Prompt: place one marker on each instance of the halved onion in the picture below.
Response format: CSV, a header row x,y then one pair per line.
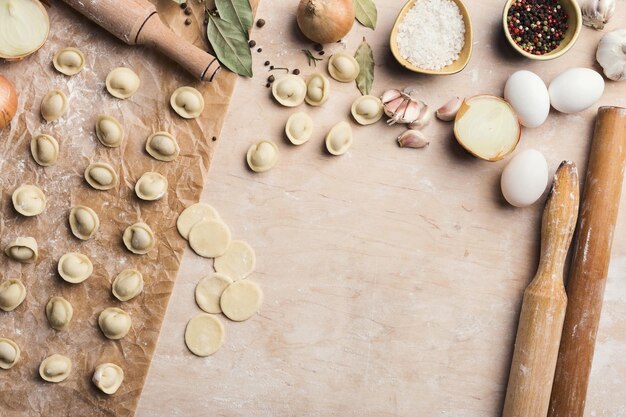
x,y
24,27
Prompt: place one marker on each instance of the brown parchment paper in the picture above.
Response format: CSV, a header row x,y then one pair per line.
x,y
22,392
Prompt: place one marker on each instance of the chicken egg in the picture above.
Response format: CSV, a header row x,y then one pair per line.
x,y
576,90
528,95
525,178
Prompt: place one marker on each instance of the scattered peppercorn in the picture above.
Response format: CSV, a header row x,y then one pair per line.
x,y
252,43
188,21
213,138
260,50
183,5
260,23
271,67
268,85
188,11
318,47
537,26
271,78
321,52
296,71
266,63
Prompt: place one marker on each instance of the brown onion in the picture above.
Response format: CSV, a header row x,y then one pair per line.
x,y
8,102
325,21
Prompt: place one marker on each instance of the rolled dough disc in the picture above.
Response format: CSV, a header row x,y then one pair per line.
x,y
238,261
194,214
209,238
209,290
204,334
241,300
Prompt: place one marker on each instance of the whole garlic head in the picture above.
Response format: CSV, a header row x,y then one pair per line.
x,y
611,55
597,13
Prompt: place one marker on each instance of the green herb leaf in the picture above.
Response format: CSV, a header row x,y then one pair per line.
x,y
366,13
365,57
310,58
237,12
230,45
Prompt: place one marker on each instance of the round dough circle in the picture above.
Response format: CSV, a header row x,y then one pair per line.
x,y
109,131
55,368
238,262
101,176
194,214
23,249
209,238
114,323
9,353
187,102
241,300
204,334
53,105
162,146
139,238
122,82
209,290
74,267
28,200
151,186
45,150
12,294
69,61
84,222
127,285
59,312
108,377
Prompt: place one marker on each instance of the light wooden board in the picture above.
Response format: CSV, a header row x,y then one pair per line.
x,y
393,277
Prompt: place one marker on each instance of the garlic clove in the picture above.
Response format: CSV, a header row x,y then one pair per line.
x,y
412,139
596,13
448,111
611,55
390,95
423,119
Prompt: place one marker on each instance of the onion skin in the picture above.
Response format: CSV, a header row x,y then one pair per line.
x,y
325,21
8,102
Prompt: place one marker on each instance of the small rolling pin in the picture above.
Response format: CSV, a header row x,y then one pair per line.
x,y
543,307
590,262
136,22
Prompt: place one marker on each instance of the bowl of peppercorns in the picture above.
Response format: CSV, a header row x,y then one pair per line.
x,y
542,29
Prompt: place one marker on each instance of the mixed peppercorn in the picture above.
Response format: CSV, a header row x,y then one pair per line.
x,y
537,26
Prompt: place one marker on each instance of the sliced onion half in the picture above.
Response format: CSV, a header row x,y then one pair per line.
x,y
24,27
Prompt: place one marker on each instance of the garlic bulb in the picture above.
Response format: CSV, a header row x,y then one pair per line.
x,y
611,55
402,106
596,13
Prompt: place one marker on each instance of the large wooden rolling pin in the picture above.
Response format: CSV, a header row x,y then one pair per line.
x,y
136,22
590,262
543,307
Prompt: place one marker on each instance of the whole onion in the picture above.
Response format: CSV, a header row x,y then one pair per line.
x,y
325,21
8,102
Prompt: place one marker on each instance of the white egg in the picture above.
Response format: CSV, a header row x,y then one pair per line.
x,y
528,95
575,90
525,178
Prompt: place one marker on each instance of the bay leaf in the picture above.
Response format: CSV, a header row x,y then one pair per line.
x,y
230,45
365,57
365,12
237,12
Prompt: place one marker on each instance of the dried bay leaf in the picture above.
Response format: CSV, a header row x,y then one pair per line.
x,y
230,45
365,12
237,12
365,57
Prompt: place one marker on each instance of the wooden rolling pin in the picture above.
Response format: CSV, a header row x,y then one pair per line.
x,y
543,307
590,262
136,22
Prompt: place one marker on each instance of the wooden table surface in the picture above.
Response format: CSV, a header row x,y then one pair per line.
x,y
392,277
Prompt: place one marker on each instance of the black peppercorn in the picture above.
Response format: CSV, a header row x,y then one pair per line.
x,y
296,71
271,67
213,138
318,47
271,78
259,50
266,63
529,20
188,11
321,53
260,23
252,43
187,21
268,85
183,5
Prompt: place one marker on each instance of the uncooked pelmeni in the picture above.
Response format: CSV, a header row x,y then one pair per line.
x,y
299,128
162,146
367,110
108,377
209,290
187,102
55,368
23,249
151,186
9,353
209,238
59,312
241,300
114,323
53,105
109,131
127,285
84,222
317,89
69,61
122,82
101,176
204,334
139,238
262,155
238,262
339,139
194,214
12,293
343,67
29,200
289,90
45,150
74,267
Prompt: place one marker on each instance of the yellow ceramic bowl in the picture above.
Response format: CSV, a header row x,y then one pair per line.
x,y
574,22
453,68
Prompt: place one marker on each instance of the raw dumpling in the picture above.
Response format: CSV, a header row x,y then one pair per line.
x,y
59,312
29,200
74,267
193,215
209,290
162,146
262,156
109,131
114,323
108,377
9,353
187,102
127,285
317,89
204,334
339,139
12,293
367,110
53,105
45,150
139,238
101,176
241,300
69,61
343,67
289,90
238,262
23,249
55,368
151,186
84,222
209,238
299,128
122,82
